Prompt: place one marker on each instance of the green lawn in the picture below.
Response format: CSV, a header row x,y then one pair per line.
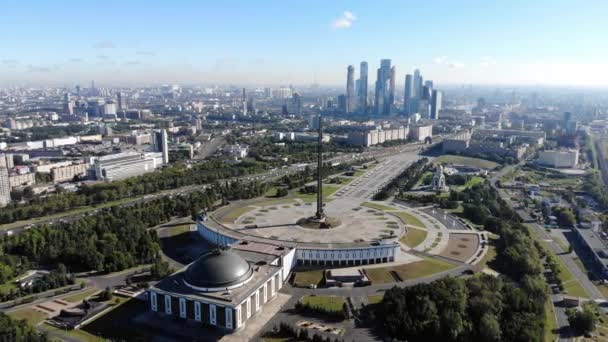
x,y
235,213
375,299
473,181
489,256
327,303
306,278
32,316
378,206
571,285
550,323
78,297
360,173
418,269
468,161
409,219
271,192
328,190
8,286
179,229
343,180
413,237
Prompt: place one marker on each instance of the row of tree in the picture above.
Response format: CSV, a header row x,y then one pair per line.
x,y
166,179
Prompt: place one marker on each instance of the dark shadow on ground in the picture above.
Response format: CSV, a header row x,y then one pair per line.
x,y
185,247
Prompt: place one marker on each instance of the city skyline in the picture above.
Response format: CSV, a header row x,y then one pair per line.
x,y
470,43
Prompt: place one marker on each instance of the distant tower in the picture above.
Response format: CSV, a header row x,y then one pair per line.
x,y
408,95
350,89
417,84
5,189
363,87
382,87
320,215
122,101
161,142
435,104
391,91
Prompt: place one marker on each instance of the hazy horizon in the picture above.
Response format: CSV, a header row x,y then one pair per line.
x,y
277,43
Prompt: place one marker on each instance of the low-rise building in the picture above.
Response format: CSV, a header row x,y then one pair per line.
x,y
559,158
26,179
126,164
67,173
421,132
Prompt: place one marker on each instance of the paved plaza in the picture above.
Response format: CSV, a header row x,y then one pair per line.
x,y
356,223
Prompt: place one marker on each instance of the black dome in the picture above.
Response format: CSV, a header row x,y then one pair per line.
x,y
218,269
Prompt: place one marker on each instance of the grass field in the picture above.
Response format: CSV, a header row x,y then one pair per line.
x,y
306,278
468,161
409,219
32,316
179,229
489,256
8,286
378,206
328,190
78,297
236,213
413,237
418,269
550,323
327,303
374,299
571,285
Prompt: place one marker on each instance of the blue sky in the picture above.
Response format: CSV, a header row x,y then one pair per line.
x,y
280,42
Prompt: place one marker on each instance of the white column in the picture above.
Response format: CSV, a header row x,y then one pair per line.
x,y
248,307
237,312
153,302
167,304
197,311
182,308
257,300
229,318
212,317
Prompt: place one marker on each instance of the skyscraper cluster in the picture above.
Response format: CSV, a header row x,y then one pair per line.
x,y
385,88
419,97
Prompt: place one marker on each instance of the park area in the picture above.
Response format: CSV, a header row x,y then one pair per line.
x,y
324,303
466,161
413,237
414,270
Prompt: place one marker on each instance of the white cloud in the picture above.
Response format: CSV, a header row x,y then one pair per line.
x,y
440,60
456,65
346,20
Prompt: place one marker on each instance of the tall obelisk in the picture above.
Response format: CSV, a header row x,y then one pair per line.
x,y
320,215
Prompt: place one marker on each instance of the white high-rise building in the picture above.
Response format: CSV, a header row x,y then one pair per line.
x,y
5,187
